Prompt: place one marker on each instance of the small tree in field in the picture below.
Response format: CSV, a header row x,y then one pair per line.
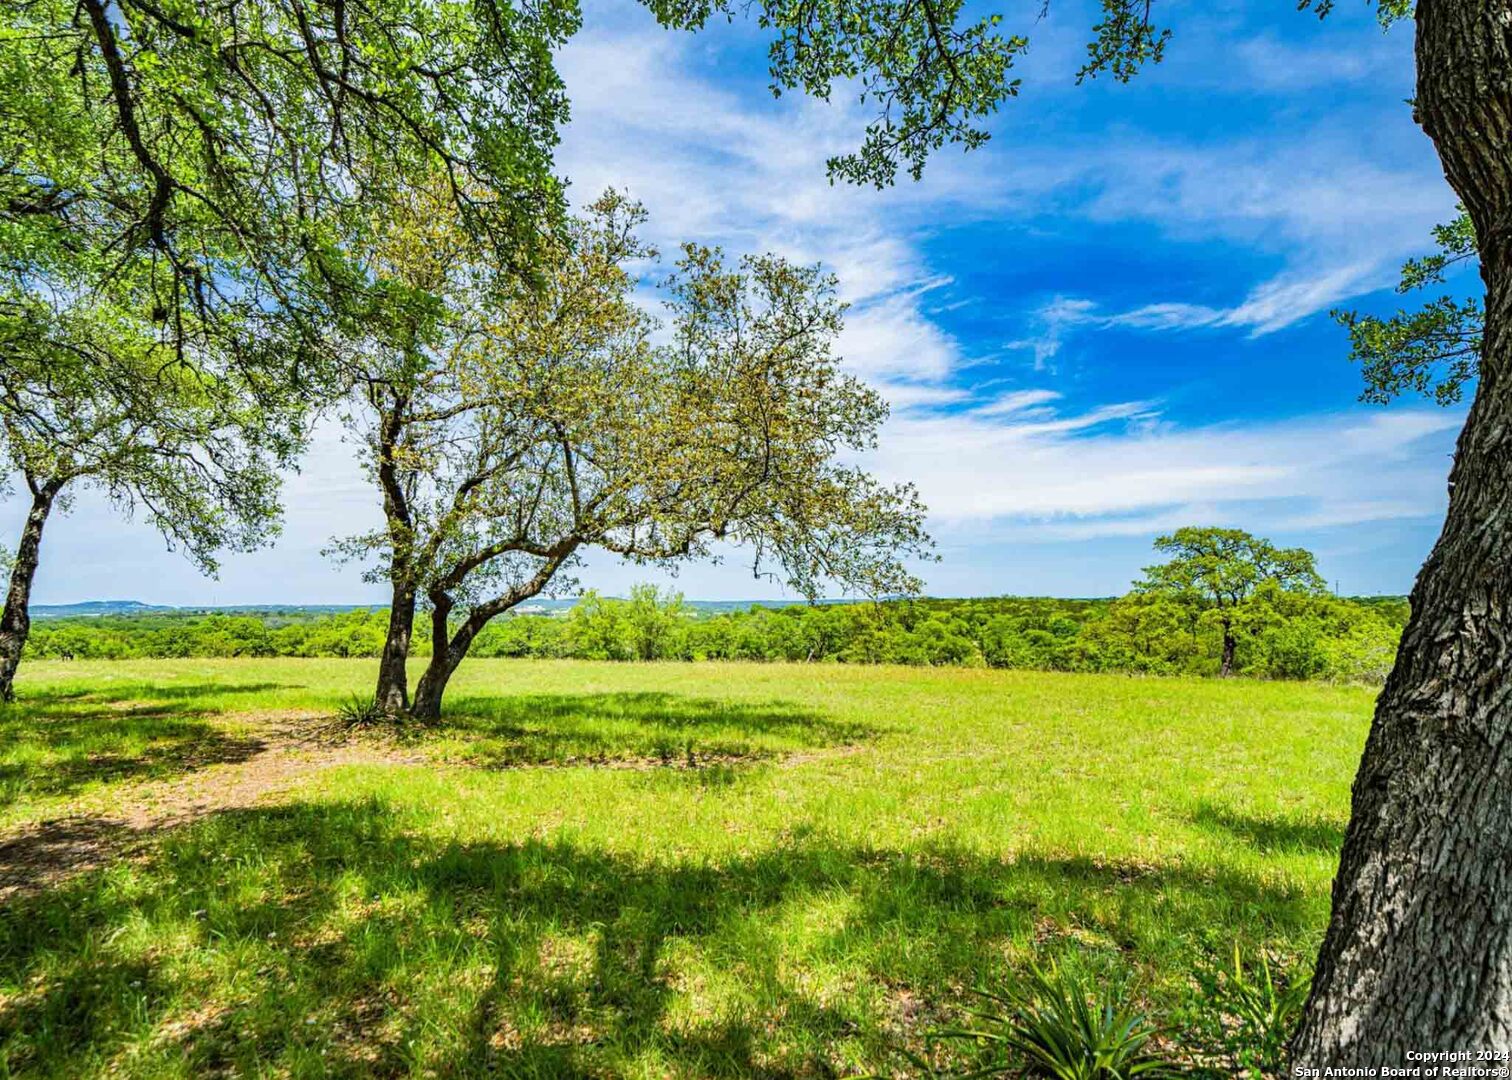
x,y
1219,570
517,425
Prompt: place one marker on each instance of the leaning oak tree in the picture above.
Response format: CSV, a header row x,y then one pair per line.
x,y
1219,570
545,420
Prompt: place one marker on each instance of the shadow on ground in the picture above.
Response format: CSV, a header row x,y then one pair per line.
x,y
653,726
1274,834
325,940
54,742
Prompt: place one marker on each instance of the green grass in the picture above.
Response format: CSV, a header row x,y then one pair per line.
x,y
856,848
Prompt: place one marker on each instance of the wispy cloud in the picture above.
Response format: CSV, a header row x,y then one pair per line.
x,y
1119,469
1271,306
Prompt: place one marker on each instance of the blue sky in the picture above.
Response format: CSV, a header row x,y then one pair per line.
x,y
1110,321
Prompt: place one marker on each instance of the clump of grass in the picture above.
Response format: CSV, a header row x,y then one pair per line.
x,y
1054,1024
1246,1015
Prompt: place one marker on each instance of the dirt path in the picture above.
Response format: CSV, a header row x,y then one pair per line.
x,y
119,822
279,754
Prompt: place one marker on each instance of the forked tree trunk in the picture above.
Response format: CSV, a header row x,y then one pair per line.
x,y
1230,645
1418,954
449,649
392,694
431,689
447,653
15,621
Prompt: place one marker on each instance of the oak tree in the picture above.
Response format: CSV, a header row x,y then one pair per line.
x,y
92,398
1217,571
521,425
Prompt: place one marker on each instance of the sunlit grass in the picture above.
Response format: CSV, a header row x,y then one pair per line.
x,y
852,849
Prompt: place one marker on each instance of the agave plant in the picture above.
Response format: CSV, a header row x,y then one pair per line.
x,y
1055,1025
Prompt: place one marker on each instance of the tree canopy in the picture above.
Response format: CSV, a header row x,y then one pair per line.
x,y
1222,570
522,424
1435,349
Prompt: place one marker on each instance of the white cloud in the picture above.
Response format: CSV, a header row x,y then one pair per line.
x,y
1271,306
1118,469
751,176
1017,402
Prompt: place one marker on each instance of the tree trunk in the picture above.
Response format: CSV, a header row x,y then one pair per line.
x,y
392,694
1418,954
431,688
447,652
1230,644
15,621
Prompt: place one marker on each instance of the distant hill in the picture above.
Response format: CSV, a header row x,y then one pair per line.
x,y
95,607
136,607
530,607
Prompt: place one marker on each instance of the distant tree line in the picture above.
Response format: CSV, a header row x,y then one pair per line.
x,y
1282,635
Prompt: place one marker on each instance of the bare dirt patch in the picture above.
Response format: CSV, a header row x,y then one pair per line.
x,y
287,750
275,752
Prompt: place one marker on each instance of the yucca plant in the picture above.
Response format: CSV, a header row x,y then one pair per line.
x,y
1055,1025
360,712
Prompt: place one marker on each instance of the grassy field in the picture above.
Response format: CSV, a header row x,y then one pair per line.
x,y
630,870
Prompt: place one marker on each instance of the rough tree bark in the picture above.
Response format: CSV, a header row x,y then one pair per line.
x,y
15,621
392,695
1418,954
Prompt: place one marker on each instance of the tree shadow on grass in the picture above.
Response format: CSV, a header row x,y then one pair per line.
x,y
54,742
323,939
1271,835
655,726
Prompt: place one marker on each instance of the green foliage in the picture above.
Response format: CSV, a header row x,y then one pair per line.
x,y
1230,579
209,157
1223,568
1245,1015
654,622
93,400
1124,41
1054,1024
931,77
1312,637
1433,350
